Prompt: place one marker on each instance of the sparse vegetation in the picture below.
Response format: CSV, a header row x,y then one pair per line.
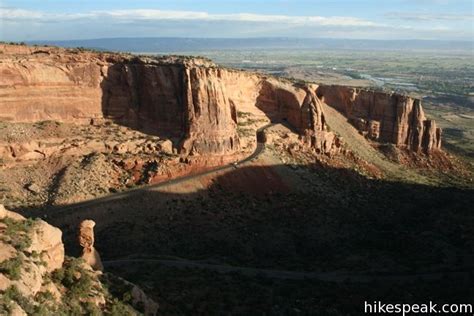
x,y
295,209
45,124
245,132
11,295
16,233
80,286
13,43
80,289
12,267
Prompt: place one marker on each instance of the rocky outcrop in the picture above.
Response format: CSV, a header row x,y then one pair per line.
x,y
4,213
301,109
314,125
191,100
86,240
385,117
175,97
36,277
46,241
35,249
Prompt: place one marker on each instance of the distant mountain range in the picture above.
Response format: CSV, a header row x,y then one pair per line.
x,y
171,44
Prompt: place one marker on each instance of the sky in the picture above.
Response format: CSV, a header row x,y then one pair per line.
x,y
24,20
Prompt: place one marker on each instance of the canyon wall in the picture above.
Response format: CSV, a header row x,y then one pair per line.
x,y
191,100
181,99
384,117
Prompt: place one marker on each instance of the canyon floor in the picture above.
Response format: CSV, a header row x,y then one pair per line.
x,y
274,224
397,231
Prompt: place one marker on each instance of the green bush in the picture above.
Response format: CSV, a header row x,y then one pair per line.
x,y
13,295
73,277
16,233
118,308
12,268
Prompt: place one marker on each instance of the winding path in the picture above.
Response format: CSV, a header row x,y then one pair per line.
x,y
117,196
335,277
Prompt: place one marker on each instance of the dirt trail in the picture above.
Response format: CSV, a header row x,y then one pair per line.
x,y
177,181
337,276
362,148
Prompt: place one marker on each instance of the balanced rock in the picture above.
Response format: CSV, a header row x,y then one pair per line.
x,y
86,240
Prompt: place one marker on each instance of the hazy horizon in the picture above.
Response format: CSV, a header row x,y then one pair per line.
x,y
196,44
27,20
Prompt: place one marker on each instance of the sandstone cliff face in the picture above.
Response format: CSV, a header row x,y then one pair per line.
x,y
48,85
192,100
181,99
385,117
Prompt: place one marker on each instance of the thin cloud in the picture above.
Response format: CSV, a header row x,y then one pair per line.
x,y
420,17
19,24
163,15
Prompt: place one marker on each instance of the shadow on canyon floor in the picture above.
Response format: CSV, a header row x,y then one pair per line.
x,y
250,216
340,222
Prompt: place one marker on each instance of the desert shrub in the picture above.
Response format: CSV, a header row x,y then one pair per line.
x,y
16,233
44,297
118,308
75,278
80,284
14,227
44,124
12,268
12,294
92,309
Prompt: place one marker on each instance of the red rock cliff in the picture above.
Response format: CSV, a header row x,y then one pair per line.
x,y
385,117
179,98
187,98
191,99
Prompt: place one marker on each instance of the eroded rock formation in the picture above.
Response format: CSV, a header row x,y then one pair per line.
x,y
385,117
40,253
192,100
86,240
33,266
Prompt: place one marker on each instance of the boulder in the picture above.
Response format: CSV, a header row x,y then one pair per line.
x,y
4,213
33,188
166,146
16,310
31,279
140,298
46,240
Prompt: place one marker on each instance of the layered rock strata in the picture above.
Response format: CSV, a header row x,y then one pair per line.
x,y
385,117
191,100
